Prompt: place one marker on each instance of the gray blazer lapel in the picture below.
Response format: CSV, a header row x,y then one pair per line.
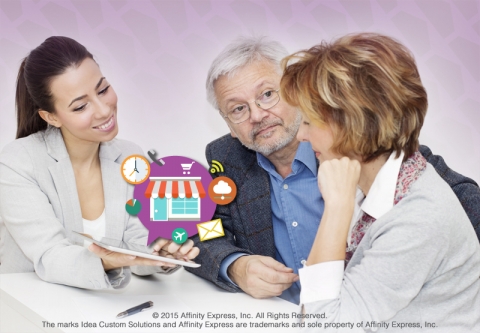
x,y
115,191
63,176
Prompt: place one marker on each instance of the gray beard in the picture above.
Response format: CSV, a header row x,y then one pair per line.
x,y
270,148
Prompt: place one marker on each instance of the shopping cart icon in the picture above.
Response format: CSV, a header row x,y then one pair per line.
x,y
186,167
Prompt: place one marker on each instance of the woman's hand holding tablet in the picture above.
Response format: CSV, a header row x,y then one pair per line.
x,y
165,253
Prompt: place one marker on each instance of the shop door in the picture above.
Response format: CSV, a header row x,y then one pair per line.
x,y
160,209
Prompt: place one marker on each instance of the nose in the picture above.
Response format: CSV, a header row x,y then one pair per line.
x,y
256,113
302,134
103,109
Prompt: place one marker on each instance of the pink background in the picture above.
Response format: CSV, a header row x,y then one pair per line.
x,y
156,55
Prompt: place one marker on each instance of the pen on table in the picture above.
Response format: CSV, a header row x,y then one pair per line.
x,y
135,309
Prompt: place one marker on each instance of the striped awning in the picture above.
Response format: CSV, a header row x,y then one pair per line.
x,y
175,189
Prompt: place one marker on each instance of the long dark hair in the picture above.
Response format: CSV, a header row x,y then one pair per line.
x,y
53,57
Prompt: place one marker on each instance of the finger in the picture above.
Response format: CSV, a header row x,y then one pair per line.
x,y
261,289
193,253
159,243
275,289
125,259
275,274
165,253
272,276
171,247
276,265
186,247
95,248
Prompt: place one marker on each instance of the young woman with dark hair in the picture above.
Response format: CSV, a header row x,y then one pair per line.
x,y
62,174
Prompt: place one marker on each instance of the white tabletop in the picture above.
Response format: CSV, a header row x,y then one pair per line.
x,y
181,294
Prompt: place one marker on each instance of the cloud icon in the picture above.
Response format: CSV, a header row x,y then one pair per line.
x,y
222,188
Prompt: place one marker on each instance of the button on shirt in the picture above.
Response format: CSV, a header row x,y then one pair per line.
x,y
297,207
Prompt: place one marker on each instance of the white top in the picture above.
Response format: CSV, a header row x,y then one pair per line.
x,y
379,201
95,228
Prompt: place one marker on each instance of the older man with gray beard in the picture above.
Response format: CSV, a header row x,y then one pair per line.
x,y
271,225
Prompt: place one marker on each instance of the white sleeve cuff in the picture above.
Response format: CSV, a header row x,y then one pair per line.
x,y
321,281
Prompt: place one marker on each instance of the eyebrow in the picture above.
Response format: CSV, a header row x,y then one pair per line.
x,y
256,87
263,83
83,96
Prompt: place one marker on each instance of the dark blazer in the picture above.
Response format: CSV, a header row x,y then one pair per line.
x,y
248,219
466,189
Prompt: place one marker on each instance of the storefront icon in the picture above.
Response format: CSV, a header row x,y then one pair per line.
x,y
175,198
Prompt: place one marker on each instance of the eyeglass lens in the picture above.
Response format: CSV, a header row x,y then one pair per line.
x,y
265,101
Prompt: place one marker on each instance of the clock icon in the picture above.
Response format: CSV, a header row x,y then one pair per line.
x,y
135,169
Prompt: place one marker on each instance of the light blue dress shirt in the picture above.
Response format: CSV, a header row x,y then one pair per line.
x,y
297,207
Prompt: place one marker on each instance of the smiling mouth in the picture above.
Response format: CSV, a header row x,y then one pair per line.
x,y
106,125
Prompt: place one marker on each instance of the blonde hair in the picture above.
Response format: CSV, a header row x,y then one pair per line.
x,y
366,87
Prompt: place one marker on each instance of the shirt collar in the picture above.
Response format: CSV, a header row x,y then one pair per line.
x,y
382,192
304,154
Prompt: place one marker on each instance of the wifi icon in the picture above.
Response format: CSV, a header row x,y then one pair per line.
x,y
216,167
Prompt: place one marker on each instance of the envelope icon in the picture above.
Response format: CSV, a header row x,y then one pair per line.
x,y
211,229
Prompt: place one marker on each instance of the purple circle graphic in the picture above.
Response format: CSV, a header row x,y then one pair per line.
x,y
174,196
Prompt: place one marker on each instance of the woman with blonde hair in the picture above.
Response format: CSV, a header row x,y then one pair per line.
x,y
394,250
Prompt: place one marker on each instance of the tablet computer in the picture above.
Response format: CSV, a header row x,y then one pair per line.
x,y
137,253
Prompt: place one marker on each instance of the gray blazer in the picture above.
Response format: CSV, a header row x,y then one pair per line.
x,y
39,209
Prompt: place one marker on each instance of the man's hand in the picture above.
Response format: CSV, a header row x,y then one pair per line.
x,y
261,277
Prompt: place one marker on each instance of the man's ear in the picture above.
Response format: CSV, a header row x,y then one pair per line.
x,y
50,118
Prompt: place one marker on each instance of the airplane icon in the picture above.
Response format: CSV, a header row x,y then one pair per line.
x,y
179,235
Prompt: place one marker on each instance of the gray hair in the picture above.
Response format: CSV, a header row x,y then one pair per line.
x,y
243,51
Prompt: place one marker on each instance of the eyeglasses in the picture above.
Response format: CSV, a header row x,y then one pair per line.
x,y
240,113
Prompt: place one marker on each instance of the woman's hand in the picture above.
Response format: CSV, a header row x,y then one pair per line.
x,y
112,260
167,248
337,181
